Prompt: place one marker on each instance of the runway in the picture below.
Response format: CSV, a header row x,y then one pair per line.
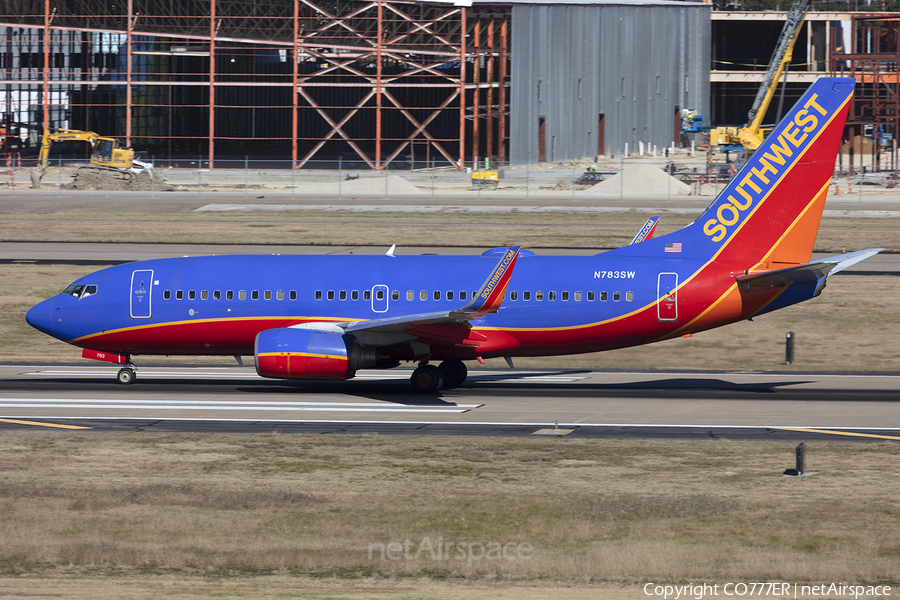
x,y
504,402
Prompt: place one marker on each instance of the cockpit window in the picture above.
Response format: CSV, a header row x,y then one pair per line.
x,y
80,291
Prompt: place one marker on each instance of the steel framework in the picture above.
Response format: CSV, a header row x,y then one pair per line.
x,y
379,79
873,59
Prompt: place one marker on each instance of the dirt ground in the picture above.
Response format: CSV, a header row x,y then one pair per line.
x,y
90,179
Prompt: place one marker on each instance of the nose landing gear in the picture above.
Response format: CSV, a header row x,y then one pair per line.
x,y
127,374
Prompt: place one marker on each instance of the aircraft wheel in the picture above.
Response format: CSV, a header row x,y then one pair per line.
x,y
427,379
126,376
453,372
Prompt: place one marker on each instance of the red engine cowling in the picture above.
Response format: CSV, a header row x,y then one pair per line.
x,y
309,354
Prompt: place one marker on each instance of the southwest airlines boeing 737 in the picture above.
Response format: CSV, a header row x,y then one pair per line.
x,y
325,317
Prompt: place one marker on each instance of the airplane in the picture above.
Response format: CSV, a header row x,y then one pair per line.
x,y
326,317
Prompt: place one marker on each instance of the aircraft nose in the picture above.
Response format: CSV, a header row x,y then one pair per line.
x,y
40,317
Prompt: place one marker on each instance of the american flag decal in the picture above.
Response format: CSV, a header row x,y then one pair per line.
x,y
673,247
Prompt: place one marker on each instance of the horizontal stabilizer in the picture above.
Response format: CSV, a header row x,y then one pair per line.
x,y
822,267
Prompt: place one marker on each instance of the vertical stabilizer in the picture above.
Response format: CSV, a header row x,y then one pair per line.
x,y
768,216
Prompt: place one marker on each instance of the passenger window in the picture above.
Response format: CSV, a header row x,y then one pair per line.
x,y
565,296
354,295
318,294
217,295
331,294
179,294
268,294
526,296
229,295
514,296
379,295
204,295
538,296
551,295
423,295
279,295
367,295
192,295
617,296
410,295
462,294
590,296
437,295
254,295
343,295
167,294
293,295
242,295
395,294
603,296
577,296
449,294
629,296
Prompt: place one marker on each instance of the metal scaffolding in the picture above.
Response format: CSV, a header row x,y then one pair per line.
x,y
377,80
873,59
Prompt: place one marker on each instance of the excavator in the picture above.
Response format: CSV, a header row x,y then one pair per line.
x,y
751,135
107,155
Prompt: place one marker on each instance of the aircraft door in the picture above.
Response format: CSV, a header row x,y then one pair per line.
x,y
667,294
141,284
380,298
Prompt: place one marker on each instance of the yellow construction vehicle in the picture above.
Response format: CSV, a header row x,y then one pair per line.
x,y
751,135
486,179
107,155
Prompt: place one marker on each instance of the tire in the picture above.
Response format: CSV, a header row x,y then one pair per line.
x,y
454,373
426,379
126,376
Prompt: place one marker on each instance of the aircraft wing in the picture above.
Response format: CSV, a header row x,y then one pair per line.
x,y
447,326
646,232
814,271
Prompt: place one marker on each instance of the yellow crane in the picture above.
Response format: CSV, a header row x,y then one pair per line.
x,y
107,154
751,135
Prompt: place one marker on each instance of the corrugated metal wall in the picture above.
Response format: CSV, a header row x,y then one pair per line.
x,y
632,64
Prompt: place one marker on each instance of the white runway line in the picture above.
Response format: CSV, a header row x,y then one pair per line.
x,y
92,403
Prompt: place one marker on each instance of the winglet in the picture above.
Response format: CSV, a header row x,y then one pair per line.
x,y
646,231
490,296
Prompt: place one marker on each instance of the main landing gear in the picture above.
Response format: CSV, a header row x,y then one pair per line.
x,y
428,379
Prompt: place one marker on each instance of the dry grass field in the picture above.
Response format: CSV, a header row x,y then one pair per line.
x,y
215,514
147,515
570,230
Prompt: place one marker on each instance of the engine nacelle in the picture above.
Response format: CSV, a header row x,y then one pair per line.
x,y
309,354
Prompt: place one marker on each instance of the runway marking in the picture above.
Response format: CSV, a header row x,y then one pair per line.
x,y
463,424
478,377
95,403
58,425
833,432
87,371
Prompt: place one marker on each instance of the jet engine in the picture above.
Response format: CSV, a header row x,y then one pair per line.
x,y
309,354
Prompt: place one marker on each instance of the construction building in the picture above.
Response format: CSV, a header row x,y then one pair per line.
x,y
844,38
384,82
396,84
